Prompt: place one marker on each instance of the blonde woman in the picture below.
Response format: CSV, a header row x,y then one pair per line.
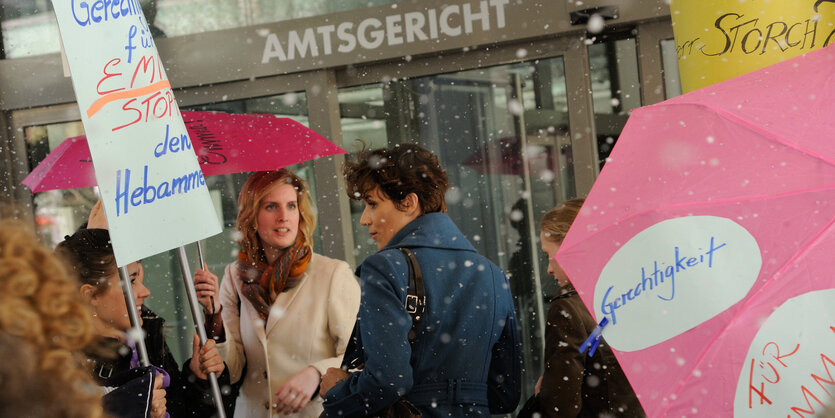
x,y
43,324
287,312
574,384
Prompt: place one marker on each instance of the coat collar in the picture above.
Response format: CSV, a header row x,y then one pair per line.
x,y
564,292
432,230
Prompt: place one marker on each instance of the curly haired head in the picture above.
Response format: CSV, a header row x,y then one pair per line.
x,y
398,171
556,222
257,187
41,308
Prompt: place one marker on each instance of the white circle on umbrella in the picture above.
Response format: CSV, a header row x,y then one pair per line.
x,y
674,276
790,366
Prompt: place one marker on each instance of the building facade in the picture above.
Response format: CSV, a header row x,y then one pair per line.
x,y
521,100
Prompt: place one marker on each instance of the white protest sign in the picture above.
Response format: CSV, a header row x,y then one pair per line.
x,y
153,191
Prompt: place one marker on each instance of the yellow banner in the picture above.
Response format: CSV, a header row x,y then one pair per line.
x,y
721,39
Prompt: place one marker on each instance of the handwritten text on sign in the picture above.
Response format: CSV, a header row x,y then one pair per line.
x,y
672,277
750,34
790,366
145,194
720,39
153,191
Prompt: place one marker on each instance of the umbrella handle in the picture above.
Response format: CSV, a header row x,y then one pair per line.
x,y
593,340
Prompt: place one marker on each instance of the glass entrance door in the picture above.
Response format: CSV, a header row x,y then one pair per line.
x,y
502,135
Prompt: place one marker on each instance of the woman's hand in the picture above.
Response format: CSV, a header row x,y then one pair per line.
x,y
330,379
158,398
205,284
206,359
296,392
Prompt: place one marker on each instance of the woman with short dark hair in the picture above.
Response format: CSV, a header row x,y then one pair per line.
x,y
465,358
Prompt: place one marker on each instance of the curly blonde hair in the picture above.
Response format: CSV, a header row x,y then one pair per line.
x,y
40,308
255,189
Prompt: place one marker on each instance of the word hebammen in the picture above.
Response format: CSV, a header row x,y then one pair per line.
x,y
396,29
145,194
657,277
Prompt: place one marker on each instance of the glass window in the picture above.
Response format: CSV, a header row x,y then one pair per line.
x,y
57,212
502,135
669,59
60,212
29,26
615,87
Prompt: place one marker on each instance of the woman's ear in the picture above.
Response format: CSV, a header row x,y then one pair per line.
x,y
412,204
88,292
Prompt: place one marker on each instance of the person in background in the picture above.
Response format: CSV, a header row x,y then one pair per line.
x,y
286,311
43,325
574,384
465,360
113,359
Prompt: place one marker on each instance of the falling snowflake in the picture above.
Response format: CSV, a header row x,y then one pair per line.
x,y
595,24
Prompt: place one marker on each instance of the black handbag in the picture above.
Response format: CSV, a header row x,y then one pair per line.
x,y
415,306
531,409
400,409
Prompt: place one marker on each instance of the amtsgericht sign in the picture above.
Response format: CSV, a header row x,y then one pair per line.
x,y
396,28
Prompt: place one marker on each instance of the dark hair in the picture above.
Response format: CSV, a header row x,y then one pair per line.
x,y
398,171
89,253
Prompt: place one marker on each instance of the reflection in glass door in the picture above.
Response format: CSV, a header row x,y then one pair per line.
x,y
615,83
57,212
502,135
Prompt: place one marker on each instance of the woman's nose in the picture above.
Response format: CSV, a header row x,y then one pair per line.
x,y
365,219
142,292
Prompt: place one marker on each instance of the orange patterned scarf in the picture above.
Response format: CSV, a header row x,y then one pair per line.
x,y
262,283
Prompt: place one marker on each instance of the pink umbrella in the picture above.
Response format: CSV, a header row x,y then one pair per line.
x,y
224,143
707,241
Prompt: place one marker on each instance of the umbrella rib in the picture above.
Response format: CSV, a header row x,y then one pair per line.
x,y
742,309
753,127
701,202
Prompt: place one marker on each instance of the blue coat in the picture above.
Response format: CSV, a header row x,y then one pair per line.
x,y
466,360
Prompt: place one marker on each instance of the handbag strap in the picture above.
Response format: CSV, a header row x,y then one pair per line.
x,y
416,296
415,305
